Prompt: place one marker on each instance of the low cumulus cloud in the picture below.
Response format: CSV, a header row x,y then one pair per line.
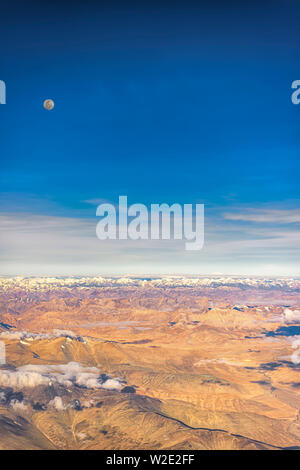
x,y
58,333
17,335
73,373
18,406
21,378
57,403
291,316
295,357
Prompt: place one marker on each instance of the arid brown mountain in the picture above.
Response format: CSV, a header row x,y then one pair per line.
x,y
147,364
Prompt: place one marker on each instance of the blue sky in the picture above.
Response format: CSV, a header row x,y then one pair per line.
x,y
168,102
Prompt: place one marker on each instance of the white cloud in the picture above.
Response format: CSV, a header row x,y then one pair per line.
x,y
22,379
18,335
57,403
32,375
295,357
291,316
18,406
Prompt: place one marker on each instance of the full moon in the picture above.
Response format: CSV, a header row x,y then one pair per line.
x,y
48,104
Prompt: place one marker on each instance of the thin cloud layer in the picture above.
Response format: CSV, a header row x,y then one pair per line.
x,y
265,216
243,241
